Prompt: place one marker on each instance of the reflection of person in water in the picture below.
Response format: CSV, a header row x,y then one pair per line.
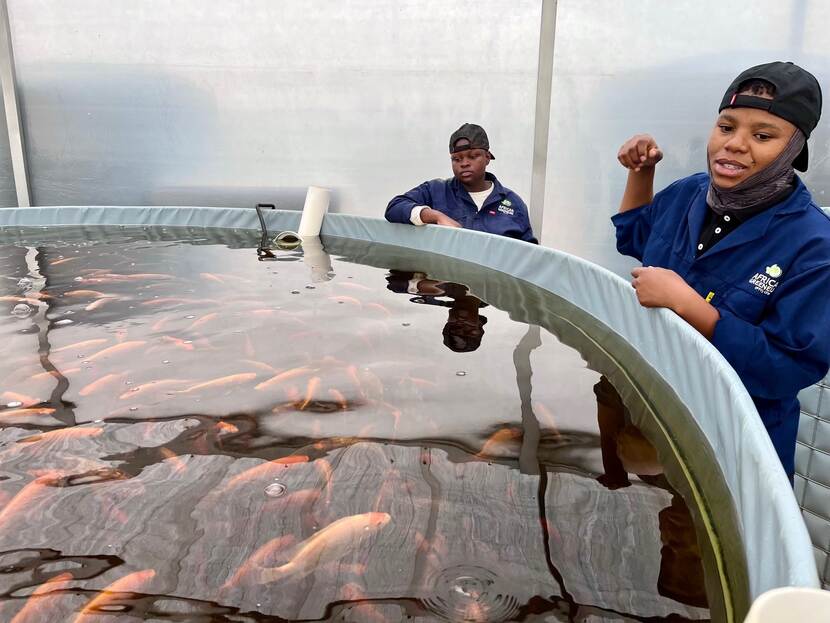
x,y
625,450
465,326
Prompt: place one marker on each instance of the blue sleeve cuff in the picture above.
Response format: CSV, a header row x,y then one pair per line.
x,y
734,338
622,219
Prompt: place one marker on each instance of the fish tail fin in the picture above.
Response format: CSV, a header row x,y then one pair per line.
x,y
274,574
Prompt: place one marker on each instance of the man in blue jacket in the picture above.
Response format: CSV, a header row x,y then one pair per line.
x,y
741,252
473,198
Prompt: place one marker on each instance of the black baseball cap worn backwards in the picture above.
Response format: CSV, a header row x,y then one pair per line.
x,y
797,98
476,139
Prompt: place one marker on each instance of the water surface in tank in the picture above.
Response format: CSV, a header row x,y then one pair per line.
x,y
191,434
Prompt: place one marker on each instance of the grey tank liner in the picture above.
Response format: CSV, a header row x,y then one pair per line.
x,y
776,543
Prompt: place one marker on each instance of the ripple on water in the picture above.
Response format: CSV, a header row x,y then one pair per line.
x,y
275,490
471,593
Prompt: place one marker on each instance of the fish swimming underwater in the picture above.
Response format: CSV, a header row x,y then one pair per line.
x,y
332,543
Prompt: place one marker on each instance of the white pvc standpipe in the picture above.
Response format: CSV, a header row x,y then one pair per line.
x,y
315,208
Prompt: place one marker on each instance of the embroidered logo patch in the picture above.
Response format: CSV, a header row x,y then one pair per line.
x,y
505,209
774,271
766,283
506,202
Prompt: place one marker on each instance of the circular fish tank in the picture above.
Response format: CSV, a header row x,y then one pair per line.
x,y
349,430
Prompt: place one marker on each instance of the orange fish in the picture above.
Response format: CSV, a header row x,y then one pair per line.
x,y
63,433
178,342
378,307
136,277
167,299
103,382
346,299
202,321
24,497
330,544
497,441
117,349
99,303
339,398
8,413
261,365
546,415
313,384
140,390
27,401
266,470
178,465
233,379
284,376
255,561
82,345
42,602
63,261
113,595
226,427
85,294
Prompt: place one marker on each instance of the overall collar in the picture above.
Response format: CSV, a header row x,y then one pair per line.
x,y
752,229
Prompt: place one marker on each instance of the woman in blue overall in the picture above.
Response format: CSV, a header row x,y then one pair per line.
x,y
742,253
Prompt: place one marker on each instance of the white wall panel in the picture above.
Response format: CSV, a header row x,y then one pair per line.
x,y
235,102
622,68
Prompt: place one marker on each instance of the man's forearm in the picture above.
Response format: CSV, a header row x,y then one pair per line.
x,y
639,189
694,309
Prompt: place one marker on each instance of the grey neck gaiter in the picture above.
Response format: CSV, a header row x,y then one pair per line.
x,y
763,189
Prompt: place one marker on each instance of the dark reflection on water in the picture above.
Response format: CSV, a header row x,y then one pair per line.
x,y
188,434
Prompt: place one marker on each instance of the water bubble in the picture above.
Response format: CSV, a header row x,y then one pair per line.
x,y
188,341
21,310
68,312
295,291
461,373
128,382
190,316
80,356
63,322
310,287
86,362
166,361
471,593
25,284
275,490
14,404
133,408
97,421
78,279
405,324
134,389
